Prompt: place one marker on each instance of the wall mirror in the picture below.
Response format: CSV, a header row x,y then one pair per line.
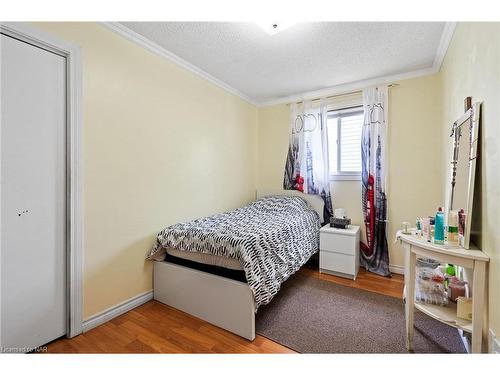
x,y
464,153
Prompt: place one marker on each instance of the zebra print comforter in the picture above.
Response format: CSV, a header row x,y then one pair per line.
x,y
271,237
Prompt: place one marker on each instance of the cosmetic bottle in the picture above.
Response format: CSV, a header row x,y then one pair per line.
x,y
430,237
426,229
461,226
450,269
453,228
439,227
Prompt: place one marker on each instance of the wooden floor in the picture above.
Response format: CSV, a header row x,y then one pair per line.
x,y
157,328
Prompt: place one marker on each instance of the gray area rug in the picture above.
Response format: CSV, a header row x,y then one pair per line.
x,y
310,315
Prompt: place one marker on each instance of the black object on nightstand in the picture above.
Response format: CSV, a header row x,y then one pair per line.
x,y
341,223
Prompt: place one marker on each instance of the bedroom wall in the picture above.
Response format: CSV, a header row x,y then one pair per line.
x,y
161,145
472,68
414,177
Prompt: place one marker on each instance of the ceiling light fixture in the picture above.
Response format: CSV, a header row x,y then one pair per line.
x,y
274,27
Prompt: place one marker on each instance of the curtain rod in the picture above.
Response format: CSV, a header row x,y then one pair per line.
x,y
347,93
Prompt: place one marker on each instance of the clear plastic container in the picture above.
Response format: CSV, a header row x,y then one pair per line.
x,y
429,283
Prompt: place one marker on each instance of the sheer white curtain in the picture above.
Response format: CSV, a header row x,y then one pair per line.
x,y
306,167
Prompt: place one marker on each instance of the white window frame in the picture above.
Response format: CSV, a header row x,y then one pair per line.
x,y
339,114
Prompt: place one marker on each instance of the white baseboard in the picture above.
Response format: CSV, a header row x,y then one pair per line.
x,y
397,269
465,337
493,343
119,309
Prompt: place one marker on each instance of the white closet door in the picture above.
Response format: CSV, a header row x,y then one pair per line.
x,y
33,195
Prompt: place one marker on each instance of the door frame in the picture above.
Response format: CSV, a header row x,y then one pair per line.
x,y
74,163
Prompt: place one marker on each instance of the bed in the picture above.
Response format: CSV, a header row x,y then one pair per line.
x,y
223,267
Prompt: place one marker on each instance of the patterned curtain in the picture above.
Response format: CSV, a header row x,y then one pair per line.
x,y
306,166
375,253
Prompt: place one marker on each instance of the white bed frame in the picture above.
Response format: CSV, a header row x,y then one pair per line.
x,y
224,302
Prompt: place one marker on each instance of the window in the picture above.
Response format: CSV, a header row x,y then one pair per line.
x,y
344,143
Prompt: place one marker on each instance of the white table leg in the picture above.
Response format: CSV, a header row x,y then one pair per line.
x,y
410,294
478,293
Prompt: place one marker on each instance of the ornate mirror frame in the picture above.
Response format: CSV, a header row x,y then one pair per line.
x,y
467,124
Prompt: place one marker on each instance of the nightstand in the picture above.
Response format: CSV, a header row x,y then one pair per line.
x,y
339,251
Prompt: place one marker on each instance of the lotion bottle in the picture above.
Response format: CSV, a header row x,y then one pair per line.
x,y
439,227
453,228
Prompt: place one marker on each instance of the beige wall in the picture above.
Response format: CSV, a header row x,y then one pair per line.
x,y
414,178
472,68
415,168
161,145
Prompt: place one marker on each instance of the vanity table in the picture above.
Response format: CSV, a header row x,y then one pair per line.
x,y
469,258
464,146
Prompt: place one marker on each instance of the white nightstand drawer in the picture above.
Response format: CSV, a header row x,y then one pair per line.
x,y
337,243
336,262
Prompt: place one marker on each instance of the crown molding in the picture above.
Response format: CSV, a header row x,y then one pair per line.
x,y
444,43
347,87
163,52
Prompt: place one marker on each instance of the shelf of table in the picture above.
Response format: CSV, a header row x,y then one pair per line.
x,y
445,314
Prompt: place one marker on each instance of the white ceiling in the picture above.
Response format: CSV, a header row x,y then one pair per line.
x,y
305,57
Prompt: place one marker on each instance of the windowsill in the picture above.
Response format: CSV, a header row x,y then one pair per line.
x,y
345,177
